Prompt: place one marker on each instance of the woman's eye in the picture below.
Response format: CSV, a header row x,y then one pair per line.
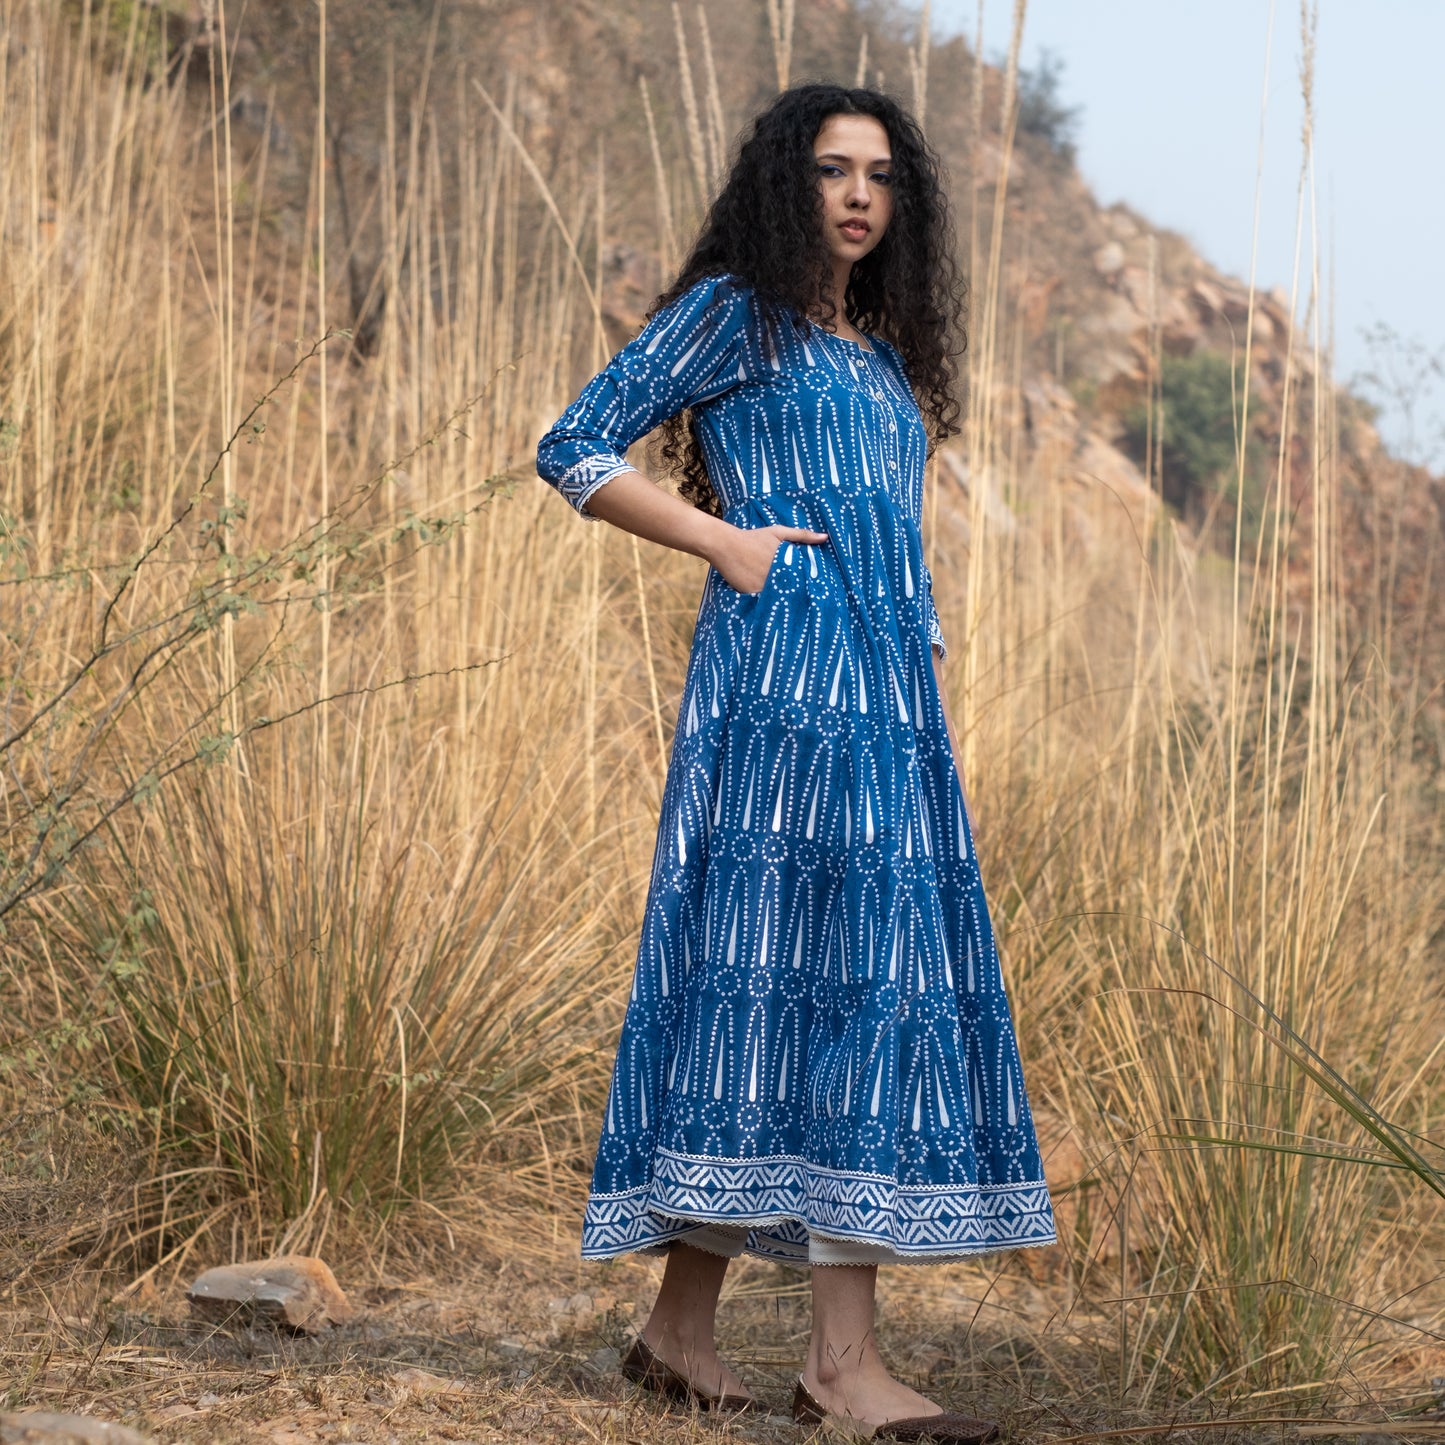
x,y
882,178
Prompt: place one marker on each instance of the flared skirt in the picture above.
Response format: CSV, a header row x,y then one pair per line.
x,y
817,1040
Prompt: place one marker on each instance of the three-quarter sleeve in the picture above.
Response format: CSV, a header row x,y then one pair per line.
x,y
935,628
694,349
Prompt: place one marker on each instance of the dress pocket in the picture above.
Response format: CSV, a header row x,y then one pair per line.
x,y
782,562
782,559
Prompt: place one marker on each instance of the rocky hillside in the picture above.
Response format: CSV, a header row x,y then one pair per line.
x,y
1105,323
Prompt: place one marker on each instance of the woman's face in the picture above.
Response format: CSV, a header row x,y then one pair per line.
x,y
855,174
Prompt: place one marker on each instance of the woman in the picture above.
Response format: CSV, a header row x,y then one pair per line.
x,y
817,1062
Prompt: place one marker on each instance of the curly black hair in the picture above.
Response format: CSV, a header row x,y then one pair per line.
x,y
907,289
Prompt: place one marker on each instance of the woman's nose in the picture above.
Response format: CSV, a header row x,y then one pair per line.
x,y
858,191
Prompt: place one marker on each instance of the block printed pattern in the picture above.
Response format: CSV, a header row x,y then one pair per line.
x,y
817,1038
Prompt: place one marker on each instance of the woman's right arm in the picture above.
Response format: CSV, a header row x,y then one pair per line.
x,y
692,351
742,554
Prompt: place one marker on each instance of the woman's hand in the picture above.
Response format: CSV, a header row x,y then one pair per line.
x,y
744,555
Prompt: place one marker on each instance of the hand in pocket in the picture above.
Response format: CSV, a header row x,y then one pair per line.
x,y
746,557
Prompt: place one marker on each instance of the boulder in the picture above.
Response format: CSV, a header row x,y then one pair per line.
x,y
1159,304
293,1291
1111,342
1208,298
1109,259
1121,224
40,1426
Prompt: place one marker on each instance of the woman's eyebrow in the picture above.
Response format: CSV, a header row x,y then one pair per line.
x,y
839,156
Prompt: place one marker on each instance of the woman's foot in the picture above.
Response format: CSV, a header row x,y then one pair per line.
x,y
865,1392
940,1426
679,1335
696,1363
846,1380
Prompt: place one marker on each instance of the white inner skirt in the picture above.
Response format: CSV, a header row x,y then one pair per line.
x,y
729,1239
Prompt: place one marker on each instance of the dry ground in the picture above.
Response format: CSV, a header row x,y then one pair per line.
x,y
509,1351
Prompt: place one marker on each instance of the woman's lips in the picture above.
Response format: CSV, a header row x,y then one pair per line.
x,y
856,229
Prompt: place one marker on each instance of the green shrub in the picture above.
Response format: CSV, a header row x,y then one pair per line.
x,y
1194,428
1041,113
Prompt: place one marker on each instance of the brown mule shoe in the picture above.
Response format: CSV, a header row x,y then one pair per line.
x,y
643,1367
959,1429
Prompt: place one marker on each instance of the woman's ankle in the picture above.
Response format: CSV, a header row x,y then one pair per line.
x,y
849,1365
673,1335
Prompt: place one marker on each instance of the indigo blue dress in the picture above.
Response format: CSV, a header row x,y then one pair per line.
x,y
817,1040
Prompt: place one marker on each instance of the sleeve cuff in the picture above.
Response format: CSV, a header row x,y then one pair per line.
x,y
935,628
583,478
935,633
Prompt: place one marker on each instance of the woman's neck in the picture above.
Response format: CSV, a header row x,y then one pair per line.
x,y
842,272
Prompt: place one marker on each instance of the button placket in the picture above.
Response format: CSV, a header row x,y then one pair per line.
x,y
867,370
888,439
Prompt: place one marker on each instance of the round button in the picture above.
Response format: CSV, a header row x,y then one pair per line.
x,y
892,426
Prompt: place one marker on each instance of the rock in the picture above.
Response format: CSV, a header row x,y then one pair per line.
x,y
1048,406
1109,259
1115,507
581,1305
42,1426
1051,417
1035,304
1208,298
293,1290
1111,342
996,510
629,285
1235,304
1120,223
422,1382
1159,304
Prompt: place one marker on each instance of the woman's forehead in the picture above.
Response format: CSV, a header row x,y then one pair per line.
x,y
844,135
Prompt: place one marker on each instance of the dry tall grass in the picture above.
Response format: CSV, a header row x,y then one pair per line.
x,y
331,746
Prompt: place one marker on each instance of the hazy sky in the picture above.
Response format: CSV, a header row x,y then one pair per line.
x,y
1171,95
